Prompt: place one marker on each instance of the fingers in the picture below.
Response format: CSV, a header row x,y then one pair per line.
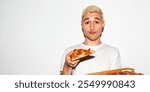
x,y
69,62
68,58
73,64
70,53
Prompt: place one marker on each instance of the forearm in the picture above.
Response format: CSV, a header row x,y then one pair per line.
x,y
67,70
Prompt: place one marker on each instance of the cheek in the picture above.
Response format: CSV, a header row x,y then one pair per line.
x,y
85,28
85,31
99,28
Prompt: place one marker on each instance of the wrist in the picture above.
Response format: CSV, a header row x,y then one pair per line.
x,y
67,70
67,66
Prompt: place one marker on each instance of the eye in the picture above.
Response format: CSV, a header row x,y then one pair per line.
x,y
87,22
97,22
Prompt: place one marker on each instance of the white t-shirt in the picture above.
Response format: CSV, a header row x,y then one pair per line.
x,y
105,58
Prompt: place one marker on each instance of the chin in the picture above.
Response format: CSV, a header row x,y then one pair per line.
x,y
93,39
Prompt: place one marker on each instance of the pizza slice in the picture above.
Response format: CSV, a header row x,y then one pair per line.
x,y
120,71
80,53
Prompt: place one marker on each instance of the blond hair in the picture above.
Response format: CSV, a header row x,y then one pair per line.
x,y
92,9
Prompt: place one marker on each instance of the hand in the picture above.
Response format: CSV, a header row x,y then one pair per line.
x,y
69,62
69,65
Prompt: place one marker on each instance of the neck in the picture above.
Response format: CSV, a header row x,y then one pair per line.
x,y
92,43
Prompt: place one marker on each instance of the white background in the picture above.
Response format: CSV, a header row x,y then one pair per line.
x,y
35,33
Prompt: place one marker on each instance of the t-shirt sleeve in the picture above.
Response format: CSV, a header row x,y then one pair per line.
x,y
115,59
63,59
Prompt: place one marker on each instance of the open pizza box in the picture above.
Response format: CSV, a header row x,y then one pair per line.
x,y
120,71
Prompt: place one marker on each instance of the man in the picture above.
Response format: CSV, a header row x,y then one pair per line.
x,y
105,57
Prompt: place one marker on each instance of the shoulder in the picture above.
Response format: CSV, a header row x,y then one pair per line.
x,y
110,48
73,47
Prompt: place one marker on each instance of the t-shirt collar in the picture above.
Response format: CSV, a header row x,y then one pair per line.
x,y
92,47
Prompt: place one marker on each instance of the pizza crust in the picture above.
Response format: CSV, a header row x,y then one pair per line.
x,y
80,53
120,71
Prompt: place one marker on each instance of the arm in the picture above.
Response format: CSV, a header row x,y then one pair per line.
x,y
67,70
69,65
115,60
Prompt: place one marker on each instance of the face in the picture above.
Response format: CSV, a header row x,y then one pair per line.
x,y
92,26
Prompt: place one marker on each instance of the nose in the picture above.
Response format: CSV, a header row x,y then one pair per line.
x,y
92,26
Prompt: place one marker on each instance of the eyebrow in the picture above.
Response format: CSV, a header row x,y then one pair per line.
x,y
97,18
85,19
94,18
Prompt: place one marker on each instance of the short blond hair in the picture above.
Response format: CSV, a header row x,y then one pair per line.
x,y
92,9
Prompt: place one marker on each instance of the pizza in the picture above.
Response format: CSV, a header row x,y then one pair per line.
x,y
80,53
120,71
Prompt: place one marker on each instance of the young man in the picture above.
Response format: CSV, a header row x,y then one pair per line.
x,y
105,57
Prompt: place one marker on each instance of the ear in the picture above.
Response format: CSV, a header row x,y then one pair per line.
x,y
82,25
103,25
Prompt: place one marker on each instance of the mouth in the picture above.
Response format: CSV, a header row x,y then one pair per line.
x,y
92,32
